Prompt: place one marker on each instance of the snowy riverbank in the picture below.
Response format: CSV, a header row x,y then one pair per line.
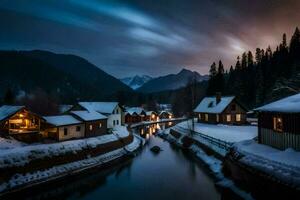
x,y
21,155
37,177
213,164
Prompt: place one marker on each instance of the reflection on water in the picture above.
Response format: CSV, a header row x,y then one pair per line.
x,y
149,130
171,174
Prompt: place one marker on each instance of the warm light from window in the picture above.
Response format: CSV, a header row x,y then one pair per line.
x,y
228,118
206,117
217,118
238,117
277,124
100,125
21,115
91,127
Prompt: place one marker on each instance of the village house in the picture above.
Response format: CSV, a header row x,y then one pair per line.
x,y
112,110
63,127
165,115
20,123
218,109
151,116
95,123
135,115
279,123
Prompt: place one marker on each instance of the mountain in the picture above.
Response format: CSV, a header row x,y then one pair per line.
x,y
172,81
136,81
68,77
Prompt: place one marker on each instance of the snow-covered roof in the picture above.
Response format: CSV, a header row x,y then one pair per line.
x,y
88,115
289,104
136,110
102,107
148,113
165,111
64,108
6,111
209,105
61,120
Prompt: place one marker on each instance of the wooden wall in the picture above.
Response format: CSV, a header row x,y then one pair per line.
x,y
96,130
289,137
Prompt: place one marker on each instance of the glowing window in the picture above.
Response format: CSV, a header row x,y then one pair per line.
x,y
277,124
238,117
91,127
100,125
228,118
217,118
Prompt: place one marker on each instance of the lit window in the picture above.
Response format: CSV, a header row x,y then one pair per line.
x,y
91,127
277,124
200,116
217,118
228,118
100,125
206,117
238,117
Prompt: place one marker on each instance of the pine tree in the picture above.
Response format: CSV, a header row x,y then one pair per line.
x,y
244,61
211,89
220,82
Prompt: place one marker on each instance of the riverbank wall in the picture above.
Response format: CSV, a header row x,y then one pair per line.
x,y
39,170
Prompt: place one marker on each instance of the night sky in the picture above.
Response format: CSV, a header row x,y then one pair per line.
x,y
126,38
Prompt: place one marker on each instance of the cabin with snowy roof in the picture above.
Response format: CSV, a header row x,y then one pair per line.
x,y
152,116
220,109
279,123
112,110
20,123
135,115
165,115
63,127
95,123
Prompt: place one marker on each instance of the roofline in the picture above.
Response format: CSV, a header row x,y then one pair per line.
x,y
22,107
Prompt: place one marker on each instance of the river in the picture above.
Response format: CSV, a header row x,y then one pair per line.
x,y
171,174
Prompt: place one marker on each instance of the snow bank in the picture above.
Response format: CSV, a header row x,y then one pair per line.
x,y
65,169
20,156
10,143
284,165
227,133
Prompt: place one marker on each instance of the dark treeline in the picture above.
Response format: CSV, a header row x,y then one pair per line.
x,y
261,77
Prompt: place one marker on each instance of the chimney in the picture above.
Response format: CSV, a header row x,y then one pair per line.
x,y
218,97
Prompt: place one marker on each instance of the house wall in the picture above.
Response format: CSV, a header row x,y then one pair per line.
x,y
289,137
96,129
115,119
72,132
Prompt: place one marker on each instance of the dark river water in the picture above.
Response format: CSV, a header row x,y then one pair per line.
x,y
171,174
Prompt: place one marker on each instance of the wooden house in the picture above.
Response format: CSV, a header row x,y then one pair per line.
x,y
63,127
20,123
165,115
151,116
279,123
95,123
112,110
135,115
218,109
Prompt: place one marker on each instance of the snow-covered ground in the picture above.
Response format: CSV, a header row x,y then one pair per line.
x,y
65,169
284,165
227,133
9,143
21,155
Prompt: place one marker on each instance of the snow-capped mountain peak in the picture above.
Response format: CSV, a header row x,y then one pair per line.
x,y
137,81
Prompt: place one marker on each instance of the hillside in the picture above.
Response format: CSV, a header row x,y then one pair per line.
x,y
68,77
172,81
